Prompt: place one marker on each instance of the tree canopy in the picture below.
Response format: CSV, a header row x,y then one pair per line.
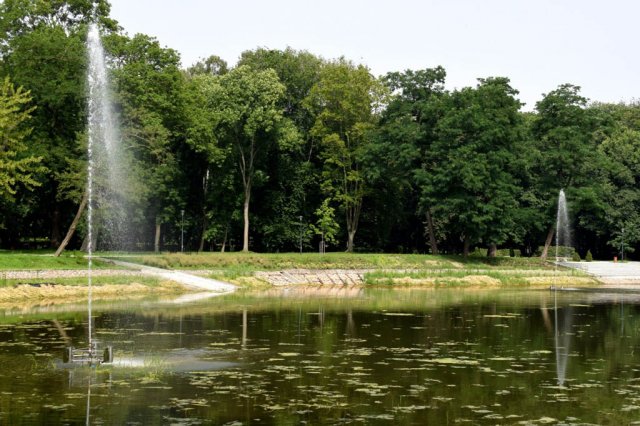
x,y
285,147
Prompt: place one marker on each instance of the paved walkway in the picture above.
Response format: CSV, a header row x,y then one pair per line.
x,y
612,274
181,277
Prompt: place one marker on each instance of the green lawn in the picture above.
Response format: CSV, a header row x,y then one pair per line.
x,y
10,260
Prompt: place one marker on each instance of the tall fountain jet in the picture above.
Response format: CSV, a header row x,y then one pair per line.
x,y
103,171
563,230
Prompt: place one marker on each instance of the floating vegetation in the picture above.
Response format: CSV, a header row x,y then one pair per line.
x,y
398,314
452,361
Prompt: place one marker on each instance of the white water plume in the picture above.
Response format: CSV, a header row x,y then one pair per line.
x,y
563,230
108,180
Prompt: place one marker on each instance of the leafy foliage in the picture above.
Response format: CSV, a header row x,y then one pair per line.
x,y
15,168
285,138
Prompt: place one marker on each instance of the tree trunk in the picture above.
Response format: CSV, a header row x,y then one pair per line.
x,y
224,241
94,242
547,243
205,224
492,250
55,227
74,225
465,247
432,234
245,234
351,236
156,240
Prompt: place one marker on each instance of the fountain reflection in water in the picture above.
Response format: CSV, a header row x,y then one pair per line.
x,y
562,339
562,332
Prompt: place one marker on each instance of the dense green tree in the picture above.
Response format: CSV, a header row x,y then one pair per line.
x,y
22,17
473,159
345,101
563,136
397,158
620,148
42,49
149,93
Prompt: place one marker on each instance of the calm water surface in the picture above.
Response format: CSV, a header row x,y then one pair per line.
x,y
351,357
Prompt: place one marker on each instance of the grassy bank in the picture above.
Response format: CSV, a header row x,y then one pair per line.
x,y
279,261
383,269
19,260
481,278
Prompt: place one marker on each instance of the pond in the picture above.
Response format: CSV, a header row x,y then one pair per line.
x,y
307,356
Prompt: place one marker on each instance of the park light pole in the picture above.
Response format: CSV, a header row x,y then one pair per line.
x,y
622,246
182,231
301,231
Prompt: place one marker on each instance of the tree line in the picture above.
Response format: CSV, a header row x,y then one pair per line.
x,y
287,149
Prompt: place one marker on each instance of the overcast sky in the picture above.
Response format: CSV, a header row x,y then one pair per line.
x,y
538,44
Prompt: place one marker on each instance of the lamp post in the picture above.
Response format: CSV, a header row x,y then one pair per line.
x,y
182,231
301,231
622,246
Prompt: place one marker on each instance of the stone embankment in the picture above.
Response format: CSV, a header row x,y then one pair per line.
x,y
313,276
46,274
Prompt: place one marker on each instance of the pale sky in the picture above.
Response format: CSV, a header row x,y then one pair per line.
x,y
538,44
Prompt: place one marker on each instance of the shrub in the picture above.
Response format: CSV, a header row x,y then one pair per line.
x,y
589,256
563,251
576,257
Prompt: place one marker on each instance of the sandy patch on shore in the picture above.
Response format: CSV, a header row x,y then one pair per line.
x,y
50,294
469,280
566,281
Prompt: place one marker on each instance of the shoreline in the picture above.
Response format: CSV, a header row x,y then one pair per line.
x,y
169,281
597,276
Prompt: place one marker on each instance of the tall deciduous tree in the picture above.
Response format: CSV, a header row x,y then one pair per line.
x,y
346,102
292,189
397,159
249,121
